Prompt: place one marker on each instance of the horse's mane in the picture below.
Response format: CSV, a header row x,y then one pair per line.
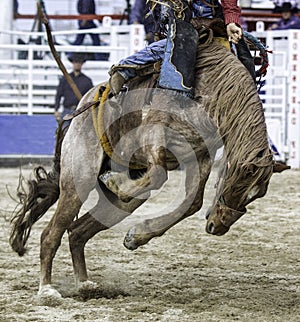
x,y
230,97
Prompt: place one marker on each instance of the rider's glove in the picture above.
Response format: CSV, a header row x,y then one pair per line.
x,y
234,32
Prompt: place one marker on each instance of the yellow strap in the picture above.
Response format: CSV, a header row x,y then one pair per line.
x,y
100,132
94,112
98,123
223,41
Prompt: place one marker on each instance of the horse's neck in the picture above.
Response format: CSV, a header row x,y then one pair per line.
x,y
230,98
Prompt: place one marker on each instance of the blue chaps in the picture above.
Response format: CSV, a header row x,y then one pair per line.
x,y
156,50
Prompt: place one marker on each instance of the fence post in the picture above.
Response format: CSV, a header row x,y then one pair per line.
x,y
294,97
137,38
30,79
6,21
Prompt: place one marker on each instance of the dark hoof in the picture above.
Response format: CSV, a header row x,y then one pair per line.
x,y
129,241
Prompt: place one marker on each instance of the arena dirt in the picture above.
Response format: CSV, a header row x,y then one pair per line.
x,y
250,274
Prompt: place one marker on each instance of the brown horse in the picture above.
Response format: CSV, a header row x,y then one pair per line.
x,y
138,148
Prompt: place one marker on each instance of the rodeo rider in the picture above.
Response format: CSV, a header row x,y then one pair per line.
x,y
182,39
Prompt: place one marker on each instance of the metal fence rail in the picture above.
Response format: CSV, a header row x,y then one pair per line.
x,y
29,75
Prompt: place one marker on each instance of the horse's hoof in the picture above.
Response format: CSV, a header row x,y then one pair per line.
x,y
88,289
49,296
129,240
87,286
105,176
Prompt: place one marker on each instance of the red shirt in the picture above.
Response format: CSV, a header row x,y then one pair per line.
x,y
231,11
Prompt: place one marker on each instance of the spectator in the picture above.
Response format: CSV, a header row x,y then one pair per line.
x,y
288,18
64,90
140,14
278,4
87,7
15,8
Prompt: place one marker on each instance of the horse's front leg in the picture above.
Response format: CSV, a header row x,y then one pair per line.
x,y
195,184
153,142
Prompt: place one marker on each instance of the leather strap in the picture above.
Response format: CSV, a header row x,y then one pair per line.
x,y
83,108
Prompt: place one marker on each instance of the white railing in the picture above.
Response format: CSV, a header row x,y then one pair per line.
x,y
281,93
29,85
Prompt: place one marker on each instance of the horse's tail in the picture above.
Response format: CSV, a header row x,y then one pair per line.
x,y
42,192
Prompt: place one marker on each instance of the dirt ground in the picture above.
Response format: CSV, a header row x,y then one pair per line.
x,y
250,274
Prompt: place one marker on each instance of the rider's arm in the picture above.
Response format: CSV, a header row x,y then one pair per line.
x,y
232,18
231,12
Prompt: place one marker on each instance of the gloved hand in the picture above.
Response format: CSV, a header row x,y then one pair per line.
x,y
116,82
234,32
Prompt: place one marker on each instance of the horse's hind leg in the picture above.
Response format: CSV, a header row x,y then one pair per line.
x,y
79,170
80,231
68,207
108,212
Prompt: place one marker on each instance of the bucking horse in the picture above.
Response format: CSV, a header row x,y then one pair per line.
x,y
124,147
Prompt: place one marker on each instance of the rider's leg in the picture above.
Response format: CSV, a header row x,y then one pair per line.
x,y
245,57
149,54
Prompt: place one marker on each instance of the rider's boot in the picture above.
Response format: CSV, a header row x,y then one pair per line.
x,y
116,82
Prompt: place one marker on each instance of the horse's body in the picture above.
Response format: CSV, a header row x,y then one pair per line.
x,y
170,135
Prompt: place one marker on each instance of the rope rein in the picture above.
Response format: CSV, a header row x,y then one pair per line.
x,y
263,52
